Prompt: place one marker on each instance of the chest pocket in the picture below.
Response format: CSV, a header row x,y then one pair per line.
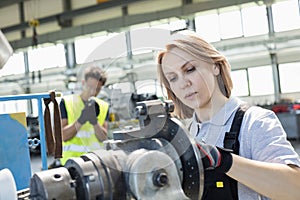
x,y
219,186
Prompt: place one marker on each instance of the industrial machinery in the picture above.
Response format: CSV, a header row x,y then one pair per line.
x,y
158,160
33,134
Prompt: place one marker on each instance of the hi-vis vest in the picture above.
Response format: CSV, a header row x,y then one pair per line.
x,y
85,140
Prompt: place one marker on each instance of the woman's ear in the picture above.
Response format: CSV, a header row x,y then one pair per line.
x,y
216,70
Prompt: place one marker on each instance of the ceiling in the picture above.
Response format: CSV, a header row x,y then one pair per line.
x,y
4,3
20,34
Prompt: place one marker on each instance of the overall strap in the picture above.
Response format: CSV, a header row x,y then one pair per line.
x,y
231,141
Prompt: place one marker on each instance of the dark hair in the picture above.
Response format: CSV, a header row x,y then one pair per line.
x,y
96,73
199,48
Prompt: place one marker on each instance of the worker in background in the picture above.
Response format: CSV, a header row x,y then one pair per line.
x,y
197,79
84,117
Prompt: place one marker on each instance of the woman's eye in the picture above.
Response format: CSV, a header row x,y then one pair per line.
x,y
190,69
172,79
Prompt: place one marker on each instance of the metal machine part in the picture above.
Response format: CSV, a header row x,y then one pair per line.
x,y
154,180
52,184
33,134
157,161
8,185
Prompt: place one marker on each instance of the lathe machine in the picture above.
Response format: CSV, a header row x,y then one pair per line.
x,y
158,160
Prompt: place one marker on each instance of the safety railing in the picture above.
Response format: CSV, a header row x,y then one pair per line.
x,y
39,97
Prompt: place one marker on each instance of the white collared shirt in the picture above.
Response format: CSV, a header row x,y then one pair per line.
x,y
262,137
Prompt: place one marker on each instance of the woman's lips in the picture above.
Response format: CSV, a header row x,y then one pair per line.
x,y
190,95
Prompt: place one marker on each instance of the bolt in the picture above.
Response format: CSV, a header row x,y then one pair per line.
x,y
160,178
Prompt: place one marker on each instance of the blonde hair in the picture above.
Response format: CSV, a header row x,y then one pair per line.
x,y
201,49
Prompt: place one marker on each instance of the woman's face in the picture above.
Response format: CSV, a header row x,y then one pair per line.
x,y
192,80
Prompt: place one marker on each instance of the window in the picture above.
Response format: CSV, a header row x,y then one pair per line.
x,y
100,47
286,15
156,39
15,65
177,25
261,80
207,26
240,83
289,77
163,24
85,46
255,20
13,106
46,57
230,24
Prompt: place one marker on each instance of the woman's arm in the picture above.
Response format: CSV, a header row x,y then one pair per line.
x,y
274,180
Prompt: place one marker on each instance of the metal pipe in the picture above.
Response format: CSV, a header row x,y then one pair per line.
x,y
273,54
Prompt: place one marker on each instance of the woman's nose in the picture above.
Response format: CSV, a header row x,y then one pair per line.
x,y
185,83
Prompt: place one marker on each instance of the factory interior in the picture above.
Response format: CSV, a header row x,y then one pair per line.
x,y
45,46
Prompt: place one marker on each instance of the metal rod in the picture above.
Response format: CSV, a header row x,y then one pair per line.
x,y
42,135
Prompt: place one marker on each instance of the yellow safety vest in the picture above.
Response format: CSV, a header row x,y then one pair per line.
x,y
85,140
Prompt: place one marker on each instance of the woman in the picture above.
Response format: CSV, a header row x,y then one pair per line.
x,y
197,78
